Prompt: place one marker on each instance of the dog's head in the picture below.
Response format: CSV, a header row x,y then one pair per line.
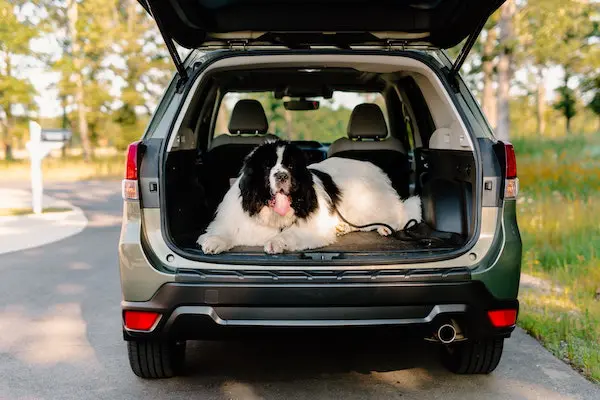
x,y
275,176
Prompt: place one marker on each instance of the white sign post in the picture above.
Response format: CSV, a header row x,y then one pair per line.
x,y
38,149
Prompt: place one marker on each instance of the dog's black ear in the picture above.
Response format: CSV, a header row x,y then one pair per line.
x,y
303,194
304,197
252,192
254,185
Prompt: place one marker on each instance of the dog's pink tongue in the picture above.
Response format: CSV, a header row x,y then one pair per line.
x,y
282,204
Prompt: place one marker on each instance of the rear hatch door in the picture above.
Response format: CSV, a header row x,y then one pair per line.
x,y
437,23
304,24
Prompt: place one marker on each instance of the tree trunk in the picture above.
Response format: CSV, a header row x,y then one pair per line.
x,y
488,101
567,100
7,129
505,71
65,122
130,77
541,102
8,149
131,14
72,15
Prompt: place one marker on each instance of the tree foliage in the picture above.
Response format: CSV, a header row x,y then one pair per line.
x,y
112,66
16,91
146,65
566,104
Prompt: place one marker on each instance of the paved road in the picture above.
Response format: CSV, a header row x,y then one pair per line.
x,y
15,230
60,339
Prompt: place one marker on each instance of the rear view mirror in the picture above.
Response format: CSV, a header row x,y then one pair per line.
x,y
301,105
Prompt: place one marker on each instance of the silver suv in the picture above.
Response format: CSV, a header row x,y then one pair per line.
x,y
453,278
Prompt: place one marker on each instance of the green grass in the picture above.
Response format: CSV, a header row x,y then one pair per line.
x,y
4,212
67,169
568,168
559,219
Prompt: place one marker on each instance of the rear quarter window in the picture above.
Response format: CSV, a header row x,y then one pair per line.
x,y
165,101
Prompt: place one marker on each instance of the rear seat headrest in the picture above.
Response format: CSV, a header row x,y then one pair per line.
x,y
367,121
248,116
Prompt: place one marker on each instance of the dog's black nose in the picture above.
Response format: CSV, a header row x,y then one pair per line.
x,y
281,176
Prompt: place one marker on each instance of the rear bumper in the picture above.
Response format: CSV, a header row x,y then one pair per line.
x,y
217,311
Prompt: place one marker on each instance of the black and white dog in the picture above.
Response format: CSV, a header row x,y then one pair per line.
x,y
281,203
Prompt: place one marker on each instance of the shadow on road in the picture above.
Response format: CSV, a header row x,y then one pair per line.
x,y
61,339
297,358
304,369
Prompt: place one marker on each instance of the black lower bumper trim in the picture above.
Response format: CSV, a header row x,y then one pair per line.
x,y
198,311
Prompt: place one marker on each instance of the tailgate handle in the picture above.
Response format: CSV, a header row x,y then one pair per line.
x,y
321,256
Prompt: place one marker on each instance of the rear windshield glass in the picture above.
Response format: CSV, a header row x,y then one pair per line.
x,y
326,124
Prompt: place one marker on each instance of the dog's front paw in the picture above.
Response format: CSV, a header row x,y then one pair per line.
x,y
383,231
212,244
277,245
342,229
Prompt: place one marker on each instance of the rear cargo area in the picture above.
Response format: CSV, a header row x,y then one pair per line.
x,y
419,156
355,242
446,193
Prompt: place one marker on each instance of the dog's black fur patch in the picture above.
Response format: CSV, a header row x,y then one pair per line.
x,y
333,191
254,184
303,194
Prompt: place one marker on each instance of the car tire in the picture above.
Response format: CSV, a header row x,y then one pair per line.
x,y
473,357
153,359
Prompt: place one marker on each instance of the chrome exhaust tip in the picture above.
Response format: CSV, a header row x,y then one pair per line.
x,y
446,333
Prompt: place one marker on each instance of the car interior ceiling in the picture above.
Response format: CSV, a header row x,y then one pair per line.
x,y
198,176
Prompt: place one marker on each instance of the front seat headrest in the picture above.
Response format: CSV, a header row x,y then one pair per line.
x,y
367,121
248,116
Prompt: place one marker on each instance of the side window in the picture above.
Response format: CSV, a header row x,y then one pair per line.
x,y
420,110
476,117
410,130
161,109
400,121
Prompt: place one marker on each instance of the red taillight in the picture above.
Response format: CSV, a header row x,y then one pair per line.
x,y
129,187
131,170
511,161
503,318
140,320
511,182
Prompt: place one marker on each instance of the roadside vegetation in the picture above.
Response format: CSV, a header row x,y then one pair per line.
x,y
13,212
559,218
66,169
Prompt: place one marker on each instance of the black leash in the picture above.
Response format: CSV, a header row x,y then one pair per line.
x,y
409,224
405,234
367,225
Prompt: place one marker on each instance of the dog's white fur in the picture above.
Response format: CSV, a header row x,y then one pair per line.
x,y
367,196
